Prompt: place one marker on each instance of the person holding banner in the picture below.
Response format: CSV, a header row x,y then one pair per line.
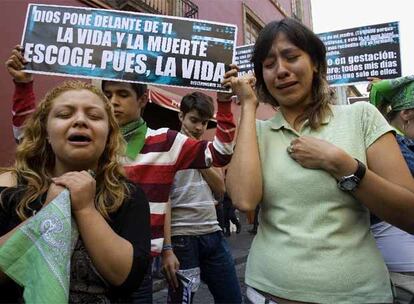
x,y
395,99
72,141
21,107
317,169
152,156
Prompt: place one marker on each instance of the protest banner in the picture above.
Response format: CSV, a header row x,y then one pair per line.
x,y
355,54
243,56
127,46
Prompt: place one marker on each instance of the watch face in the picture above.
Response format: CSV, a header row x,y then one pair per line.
x,y
349,184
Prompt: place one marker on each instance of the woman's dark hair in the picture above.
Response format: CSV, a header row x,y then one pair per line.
x,y
198,101
307,41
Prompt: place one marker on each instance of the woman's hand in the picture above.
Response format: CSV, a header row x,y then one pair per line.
x,y
52,193
314,153
82,187
242,86
223,96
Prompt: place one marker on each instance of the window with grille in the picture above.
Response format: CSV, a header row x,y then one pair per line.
x,y
251,30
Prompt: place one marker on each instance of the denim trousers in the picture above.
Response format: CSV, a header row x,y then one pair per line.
x,y
210,254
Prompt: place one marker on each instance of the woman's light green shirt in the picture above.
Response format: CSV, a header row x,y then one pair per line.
x,y
314,242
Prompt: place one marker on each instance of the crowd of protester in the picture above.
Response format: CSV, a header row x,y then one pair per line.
x,y
334,184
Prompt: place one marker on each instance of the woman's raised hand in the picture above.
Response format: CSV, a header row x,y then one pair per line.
x,y
242,86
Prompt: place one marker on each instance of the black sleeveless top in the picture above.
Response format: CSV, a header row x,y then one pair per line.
x,y
131,221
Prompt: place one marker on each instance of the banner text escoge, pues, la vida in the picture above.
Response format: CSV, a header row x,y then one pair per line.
x,y
127,46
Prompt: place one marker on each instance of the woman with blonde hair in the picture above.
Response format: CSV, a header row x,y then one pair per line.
x,y
317,169
72,133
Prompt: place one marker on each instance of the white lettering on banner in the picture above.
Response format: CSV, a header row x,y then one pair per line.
x,y
203,70
90,42
124,61
51,54
119,39
169,68
151,26
177,46
371,57
65,35
135,44
94,37
45,16
77,19
166,27
205,84
119,23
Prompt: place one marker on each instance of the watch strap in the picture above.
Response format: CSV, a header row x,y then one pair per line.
x,y
360,171
350,182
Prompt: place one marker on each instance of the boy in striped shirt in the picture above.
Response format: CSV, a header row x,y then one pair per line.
x,y
195,246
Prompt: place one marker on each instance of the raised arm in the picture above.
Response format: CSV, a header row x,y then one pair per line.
x,y
196,154
23,97
244,174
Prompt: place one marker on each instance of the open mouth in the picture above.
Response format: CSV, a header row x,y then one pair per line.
x,y
79,138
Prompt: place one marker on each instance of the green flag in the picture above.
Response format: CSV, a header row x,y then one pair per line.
x,y
37,256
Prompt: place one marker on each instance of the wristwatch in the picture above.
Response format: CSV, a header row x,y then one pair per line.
x,y
350,182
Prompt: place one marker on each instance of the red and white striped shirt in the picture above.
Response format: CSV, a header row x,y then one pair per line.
x,y
23,105
164,153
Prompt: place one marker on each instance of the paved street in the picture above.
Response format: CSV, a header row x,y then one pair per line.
x,y
203,295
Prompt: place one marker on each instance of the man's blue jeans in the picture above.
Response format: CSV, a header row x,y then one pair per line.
x,y
211,254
